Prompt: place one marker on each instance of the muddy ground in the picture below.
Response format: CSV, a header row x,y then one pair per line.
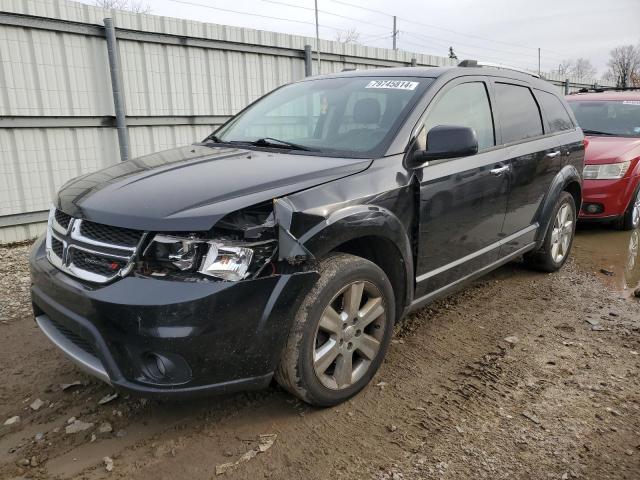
x,y
522,375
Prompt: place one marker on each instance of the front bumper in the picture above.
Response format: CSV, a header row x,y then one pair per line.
x,y
611,196
211,336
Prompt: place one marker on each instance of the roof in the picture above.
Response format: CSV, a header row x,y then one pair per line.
x,y
436,72
607,95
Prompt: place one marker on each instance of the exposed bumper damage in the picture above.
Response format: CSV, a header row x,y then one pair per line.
x,y
164,336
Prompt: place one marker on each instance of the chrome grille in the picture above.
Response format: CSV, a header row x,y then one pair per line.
x,y
91,251
105,233
62,218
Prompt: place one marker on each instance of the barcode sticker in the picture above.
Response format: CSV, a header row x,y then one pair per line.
x,y
396,84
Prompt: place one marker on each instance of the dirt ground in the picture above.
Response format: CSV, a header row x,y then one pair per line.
x,y
522,375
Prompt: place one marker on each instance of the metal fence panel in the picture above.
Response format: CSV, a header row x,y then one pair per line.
x,y
181,79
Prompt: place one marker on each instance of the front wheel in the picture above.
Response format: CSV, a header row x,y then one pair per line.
x,y
559,238
631,218
340,334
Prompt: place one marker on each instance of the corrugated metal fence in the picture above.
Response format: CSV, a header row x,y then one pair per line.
x,y
181,79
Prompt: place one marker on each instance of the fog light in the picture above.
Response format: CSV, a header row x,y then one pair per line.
x,y
593,208
160,365
165,368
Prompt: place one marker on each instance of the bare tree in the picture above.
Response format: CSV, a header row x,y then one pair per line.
x,y
624,65
134,6
348,36
580,67
565,67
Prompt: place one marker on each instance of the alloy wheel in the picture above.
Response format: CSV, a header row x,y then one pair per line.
x,y
349,335
562,233
635,213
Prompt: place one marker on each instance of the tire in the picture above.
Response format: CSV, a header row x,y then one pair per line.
x,y
631,218
553,254
314,363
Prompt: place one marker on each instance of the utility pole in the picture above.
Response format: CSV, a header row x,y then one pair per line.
x,y
538,61
317,37
395,33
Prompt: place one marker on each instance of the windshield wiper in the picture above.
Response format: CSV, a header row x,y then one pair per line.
x,y
274,142
597,132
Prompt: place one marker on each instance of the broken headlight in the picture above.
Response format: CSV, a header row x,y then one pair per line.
x,y
226,259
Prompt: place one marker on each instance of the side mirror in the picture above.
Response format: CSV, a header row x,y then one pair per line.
x,y
448,141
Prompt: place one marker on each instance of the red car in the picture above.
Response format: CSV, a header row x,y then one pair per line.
x,y
611,122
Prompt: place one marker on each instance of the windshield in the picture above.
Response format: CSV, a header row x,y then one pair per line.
x,y
349,116
619,117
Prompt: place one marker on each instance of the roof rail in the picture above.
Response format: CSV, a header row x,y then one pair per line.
x,y
475,63
605,89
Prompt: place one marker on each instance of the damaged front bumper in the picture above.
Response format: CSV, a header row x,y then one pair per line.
x,y
168,337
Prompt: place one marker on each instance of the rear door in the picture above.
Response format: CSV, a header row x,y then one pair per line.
x,y
533,159
462,200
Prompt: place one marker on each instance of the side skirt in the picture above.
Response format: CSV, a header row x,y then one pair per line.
x,y
458,284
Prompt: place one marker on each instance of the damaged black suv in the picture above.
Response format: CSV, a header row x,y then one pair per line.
x,y
289,242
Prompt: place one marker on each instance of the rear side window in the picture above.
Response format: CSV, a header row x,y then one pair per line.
x,y
465,105
519,113
555,112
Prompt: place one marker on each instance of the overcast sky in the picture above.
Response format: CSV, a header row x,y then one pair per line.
x,y
507,31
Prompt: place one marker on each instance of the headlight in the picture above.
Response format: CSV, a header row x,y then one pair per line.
x,y
607,171
224,259
226,262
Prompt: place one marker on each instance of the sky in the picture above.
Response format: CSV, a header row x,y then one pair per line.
x,y
501,31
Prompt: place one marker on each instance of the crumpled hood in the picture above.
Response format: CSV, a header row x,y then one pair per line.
x,y
191,188
611,149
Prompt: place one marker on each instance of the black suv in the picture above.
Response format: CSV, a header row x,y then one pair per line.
x,y
290,241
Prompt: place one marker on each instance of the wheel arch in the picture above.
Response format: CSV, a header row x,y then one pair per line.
x,y
370,232
566,180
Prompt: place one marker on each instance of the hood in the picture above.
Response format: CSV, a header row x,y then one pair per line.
x,y
611,149
191,188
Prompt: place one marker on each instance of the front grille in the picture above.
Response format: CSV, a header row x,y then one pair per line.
x,y
88,250
57,247
63,219
109,234
74,338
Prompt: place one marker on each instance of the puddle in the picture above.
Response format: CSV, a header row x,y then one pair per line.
x,y
600,247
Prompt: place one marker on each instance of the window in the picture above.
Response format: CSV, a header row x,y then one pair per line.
x,y
465,105
349,116
519,113
608,117
555,112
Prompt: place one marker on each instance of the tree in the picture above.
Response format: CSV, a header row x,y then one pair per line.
x,y
452,54
565,67
624,65
580,67
348,36
134,6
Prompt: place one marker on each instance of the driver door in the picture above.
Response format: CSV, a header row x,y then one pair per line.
x,y
463,201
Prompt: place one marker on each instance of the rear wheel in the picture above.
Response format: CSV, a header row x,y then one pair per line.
x,y
341,332
631,218
559,238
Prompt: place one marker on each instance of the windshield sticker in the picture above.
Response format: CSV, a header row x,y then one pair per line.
x,y
396,84
631,102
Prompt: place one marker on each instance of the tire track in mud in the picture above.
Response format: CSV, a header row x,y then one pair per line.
x,y
448,402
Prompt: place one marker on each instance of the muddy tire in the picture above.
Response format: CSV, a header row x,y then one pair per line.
x,y
558,240
341,332
631,218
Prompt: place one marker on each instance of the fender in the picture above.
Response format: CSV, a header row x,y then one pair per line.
x,y
358,221
568,174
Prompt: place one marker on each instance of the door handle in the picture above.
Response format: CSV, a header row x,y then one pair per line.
x,y
497,171
553,154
